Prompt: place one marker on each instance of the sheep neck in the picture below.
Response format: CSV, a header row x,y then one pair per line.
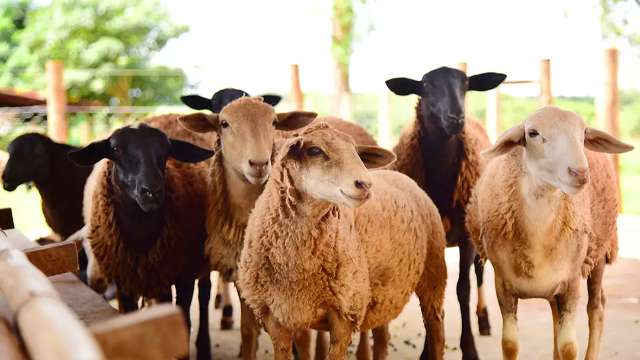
x,y
442,156
242,195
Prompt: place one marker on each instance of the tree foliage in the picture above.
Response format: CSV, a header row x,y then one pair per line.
x,y
621,19
97,38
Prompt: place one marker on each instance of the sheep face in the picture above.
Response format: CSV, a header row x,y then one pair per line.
x,y
554,142
247,130
442,94
139,154
326,165
28,160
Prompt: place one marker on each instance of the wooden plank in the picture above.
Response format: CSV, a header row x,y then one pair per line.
x,y
546,98
55,258
90,307
48,328
10,347
296,89
56,101
611,103
6,219
158,332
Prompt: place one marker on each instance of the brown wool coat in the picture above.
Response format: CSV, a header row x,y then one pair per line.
x,y
587,221
411,161
302,257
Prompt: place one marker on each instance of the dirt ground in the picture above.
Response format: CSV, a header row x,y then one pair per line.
x,y
621,338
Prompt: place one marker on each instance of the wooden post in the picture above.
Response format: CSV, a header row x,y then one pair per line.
x,y
493,113
611,105
384,127
462,66
56,101
296,89
545,83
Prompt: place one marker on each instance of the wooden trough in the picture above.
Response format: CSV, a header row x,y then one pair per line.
x,y
48,313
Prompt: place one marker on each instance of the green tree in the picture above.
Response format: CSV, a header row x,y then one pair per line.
x,y
619,19
98,38
13,16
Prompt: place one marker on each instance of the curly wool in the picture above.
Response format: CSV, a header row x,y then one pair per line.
x,y
494,215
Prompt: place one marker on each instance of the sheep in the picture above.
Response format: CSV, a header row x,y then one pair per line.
x,y
544,213
145,223
441,152
316,256
35,158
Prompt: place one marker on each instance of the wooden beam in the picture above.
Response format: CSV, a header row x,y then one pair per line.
x,y
384,124
90,307
55,259
545,83
48,328
158,332
56,101
611,106
296,89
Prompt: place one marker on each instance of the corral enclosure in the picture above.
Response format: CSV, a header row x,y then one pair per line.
x,y
77,70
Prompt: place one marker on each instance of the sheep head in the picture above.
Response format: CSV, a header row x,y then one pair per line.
x,y
554,141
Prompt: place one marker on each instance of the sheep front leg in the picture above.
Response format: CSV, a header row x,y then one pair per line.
x,y
126,302
203,341
484,325
184,295
339,334
509,308
380,342
302,341
595,309
249,331
364,351
281,337
566,335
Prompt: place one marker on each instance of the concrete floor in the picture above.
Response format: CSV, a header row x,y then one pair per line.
x,y
621,338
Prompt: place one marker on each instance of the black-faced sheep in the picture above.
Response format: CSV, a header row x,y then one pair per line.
x,y
315,255
544,213
146,216
441,152
35,158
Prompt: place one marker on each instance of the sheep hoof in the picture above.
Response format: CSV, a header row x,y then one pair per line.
x,y
483,322
226,323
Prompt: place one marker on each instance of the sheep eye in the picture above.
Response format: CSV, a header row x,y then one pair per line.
x,y
224,124
533,133
274,122
314,151
115,148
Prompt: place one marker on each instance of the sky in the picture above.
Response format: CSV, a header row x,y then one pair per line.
x,y
250,44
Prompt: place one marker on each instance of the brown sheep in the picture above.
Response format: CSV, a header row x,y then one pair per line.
x,y
145,216
315,255
440,151
544,213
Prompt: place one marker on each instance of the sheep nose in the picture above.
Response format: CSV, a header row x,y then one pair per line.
x,y
362,185
580,175
258,165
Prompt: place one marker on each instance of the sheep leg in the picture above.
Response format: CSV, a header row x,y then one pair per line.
x,y
226,321
595,309
481,310
203,341
381,338
509,308
302,342
126,302
339,334
567,303
249,331
364,350
467,343
554,314
184,295
217,303
430,292
281,337
322,345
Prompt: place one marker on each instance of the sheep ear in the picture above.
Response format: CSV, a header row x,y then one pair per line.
x,y
404,86
187,152
485,81
271,99
91,154
375,157
293,147
507,141
600,141
294,120
199,122
196,102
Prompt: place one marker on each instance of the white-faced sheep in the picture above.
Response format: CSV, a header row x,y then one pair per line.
x,y
544,213
145,223
441,152
315,255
